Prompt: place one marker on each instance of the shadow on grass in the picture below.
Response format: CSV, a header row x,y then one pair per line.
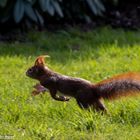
x,y
73,44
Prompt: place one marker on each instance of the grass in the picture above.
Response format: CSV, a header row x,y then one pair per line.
x,y
93,55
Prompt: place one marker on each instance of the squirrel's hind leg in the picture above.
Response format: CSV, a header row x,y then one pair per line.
x,y
99,105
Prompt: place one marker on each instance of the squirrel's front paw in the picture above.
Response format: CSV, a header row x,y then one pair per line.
x,y
66,98
35,92
40,88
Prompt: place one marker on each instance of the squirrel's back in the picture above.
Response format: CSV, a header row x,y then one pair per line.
x,y
120,85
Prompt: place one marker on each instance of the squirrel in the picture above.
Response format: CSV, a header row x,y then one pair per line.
x,y
86,93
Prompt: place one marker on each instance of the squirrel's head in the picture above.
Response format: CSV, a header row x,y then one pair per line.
x,y
38,69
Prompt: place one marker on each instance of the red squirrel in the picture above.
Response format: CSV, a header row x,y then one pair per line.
x,y
86,93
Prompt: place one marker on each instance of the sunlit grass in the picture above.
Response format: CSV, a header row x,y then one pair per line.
x,y
94,55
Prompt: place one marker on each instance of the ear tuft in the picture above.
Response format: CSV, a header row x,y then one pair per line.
x,y
40,60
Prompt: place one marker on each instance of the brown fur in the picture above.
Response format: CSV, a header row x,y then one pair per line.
x,y
86,93
127,84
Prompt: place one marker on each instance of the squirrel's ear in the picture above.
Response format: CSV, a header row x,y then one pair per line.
x,y
40,60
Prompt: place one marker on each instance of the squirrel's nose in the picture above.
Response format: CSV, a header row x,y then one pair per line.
x,y
27,74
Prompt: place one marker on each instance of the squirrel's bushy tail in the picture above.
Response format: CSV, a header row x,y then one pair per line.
x,y
118,88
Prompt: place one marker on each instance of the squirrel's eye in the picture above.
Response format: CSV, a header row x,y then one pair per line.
x,y
30,70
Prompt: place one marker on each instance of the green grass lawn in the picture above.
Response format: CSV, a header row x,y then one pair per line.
x,y
93,55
